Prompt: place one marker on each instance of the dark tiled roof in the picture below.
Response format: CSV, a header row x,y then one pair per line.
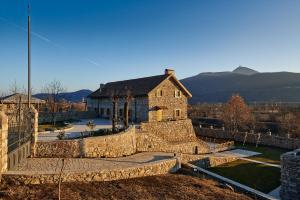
x,y
15,98
137,87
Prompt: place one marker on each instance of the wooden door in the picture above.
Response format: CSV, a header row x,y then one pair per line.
x,y
159,115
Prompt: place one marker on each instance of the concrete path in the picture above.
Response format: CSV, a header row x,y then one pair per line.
x,y
53,165
240,153
260,162
76,130
275,193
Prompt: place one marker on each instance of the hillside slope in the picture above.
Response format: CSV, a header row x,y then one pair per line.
x,y
252,85
76,96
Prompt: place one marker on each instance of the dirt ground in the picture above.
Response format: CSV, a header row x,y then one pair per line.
x,y
170,186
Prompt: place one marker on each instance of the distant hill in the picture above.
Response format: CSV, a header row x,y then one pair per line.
x,y
213,87
69,96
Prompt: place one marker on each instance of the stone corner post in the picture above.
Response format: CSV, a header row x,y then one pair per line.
x,y
34,115
290,175
3,141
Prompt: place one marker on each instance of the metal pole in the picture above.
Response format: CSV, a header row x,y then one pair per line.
x,y
29,59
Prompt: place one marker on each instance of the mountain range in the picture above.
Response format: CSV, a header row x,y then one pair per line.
x,y
217,87
214,87
76,96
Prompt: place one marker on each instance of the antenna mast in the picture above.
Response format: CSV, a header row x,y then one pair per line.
x,y
29,58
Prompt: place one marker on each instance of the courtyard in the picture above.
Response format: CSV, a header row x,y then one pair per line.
x,y
76,129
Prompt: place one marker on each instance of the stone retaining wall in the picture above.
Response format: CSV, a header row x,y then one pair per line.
x,y
110,146
59,149
275,141
151,143
122,144
207,161
290,175
171,131
148,169
171,136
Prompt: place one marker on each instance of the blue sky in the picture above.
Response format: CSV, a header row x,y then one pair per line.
x,y
86,42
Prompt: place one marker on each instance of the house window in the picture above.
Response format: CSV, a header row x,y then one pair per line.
x,y
107,111
101,111
177,93
121,112
177,113
159,93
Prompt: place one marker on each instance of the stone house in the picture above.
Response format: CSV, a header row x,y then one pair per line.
x,y
10,102
154,98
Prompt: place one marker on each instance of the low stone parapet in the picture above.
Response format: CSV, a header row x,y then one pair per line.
x,y
207,161
118,145
147,169
110,146
59,149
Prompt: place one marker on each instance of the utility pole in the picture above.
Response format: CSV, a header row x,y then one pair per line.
x,y
29,59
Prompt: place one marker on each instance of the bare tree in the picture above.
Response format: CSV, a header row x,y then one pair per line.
x,y
289,123
128,99
14,88
236,114
52,92
115,99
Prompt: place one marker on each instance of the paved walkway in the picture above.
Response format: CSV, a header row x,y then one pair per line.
x,y
53,165
275,193
76,129
240,153
260,162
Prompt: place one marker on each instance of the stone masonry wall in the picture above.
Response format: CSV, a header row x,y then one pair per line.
x,y
167,100
275,141
172,136
290,175
207,161
117,145
3,141
122,144
147,169
171,131
138,107
59,148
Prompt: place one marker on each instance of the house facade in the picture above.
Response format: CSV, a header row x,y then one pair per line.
x,y
155,98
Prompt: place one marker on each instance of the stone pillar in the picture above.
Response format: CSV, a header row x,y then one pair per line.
x,y
290,175
178,161
3,141
34,115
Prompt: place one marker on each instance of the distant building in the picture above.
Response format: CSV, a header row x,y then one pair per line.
x,y
154,98
10,102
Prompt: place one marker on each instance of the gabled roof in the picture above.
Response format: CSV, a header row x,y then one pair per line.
x,y
15,98
137,87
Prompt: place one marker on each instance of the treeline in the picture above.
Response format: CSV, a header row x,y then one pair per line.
x,y
236,115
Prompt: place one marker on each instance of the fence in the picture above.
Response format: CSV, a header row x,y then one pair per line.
x,y
252,138
18,128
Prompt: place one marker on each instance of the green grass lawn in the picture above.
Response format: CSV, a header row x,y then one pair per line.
x,y
260,177
268,154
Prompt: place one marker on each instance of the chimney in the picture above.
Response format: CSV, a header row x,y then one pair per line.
x,y
101,86
169,72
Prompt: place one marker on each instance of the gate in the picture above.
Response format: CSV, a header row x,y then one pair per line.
x,y
19,133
